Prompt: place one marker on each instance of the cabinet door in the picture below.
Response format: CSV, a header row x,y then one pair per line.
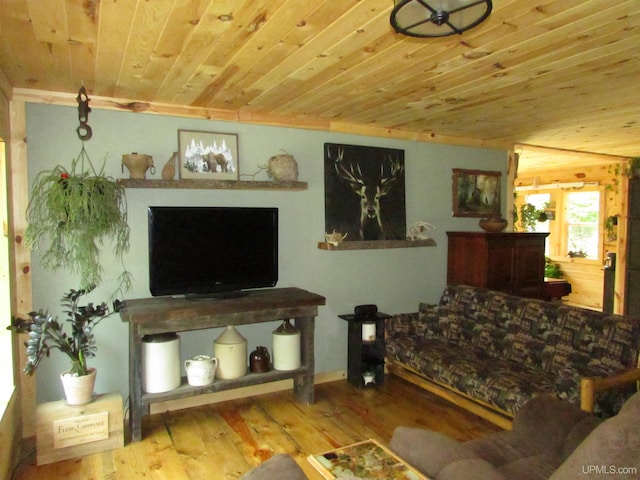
x,y
467,260
632,299
632,275
500,268
529,269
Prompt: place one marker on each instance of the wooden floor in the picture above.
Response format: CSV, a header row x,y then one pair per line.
x,y
224,440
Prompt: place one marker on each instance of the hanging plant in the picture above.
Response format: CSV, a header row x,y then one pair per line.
x,y
73,212
529,215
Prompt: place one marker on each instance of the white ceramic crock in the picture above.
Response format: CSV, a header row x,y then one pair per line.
x,y
201,370
230,349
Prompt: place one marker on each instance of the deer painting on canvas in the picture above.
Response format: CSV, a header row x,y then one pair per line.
x,y
364,192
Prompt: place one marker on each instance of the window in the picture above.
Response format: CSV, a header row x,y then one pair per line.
x,y
541,201
572,221
582,224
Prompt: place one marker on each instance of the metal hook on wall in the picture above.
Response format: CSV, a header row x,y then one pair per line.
x,y
84,130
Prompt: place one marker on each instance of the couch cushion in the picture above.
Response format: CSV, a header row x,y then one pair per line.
x,y
472,468
461,310
536,467
548,424
503,383
599,341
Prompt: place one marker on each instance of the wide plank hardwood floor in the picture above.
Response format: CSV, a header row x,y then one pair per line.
x,y
224,440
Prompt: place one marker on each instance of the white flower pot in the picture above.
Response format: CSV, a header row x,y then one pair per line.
x,y
78,390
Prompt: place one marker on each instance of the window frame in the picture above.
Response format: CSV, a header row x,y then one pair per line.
x,y
599,223
558,239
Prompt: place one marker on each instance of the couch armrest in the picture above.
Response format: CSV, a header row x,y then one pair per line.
x,y
545,422
428,451
590,385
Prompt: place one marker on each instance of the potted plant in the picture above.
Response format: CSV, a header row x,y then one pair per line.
x,y
76,210
551,269
46,333
610,225
529,215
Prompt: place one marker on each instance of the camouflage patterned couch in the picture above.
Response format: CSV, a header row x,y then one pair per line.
x,y
496,351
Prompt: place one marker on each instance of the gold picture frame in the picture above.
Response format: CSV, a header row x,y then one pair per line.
x,y
476,193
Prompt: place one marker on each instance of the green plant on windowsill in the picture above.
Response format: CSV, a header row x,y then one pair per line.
x,y
552,270
75,211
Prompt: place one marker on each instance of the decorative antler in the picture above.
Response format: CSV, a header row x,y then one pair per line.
x,y
350,175
387,180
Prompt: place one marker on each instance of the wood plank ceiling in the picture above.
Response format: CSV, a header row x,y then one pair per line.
x,y
553,73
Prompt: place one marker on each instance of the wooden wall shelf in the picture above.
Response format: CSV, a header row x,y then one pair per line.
x,y
213,184
377,244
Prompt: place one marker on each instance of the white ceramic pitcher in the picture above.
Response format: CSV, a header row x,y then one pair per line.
x,y
201,370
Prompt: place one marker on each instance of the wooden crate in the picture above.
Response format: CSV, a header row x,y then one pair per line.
x,y
64,431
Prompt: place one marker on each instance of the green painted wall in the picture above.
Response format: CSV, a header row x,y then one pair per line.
x,y
395,279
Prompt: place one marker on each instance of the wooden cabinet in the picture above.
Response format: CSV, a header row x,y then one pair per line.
x,y
632,272
507,262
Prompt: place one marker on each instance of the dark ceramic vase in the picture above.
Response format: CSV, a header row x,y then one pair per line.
x,y
259,360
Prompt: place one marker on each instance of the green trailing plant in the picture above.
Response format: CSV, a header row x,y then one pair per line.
x,y
620,170
75,211
610,225
529,215
46,333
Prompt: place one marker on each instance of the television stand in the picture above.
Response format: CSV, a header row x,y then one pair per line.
x,y
149,316
217,296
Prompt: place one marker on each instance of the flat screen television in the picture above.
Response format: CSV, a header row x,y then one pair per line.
x,y
212,251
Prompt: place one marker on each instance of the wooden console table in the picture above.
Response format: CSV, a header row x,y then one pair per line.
x,y
150,316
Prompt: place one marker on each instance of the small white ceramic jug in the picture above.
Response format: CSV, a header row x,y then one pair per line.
x,y
369,378
201,370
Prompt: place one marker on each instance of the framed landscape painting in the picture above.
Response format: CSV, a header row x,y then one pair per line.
x,y
208,155
476,193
